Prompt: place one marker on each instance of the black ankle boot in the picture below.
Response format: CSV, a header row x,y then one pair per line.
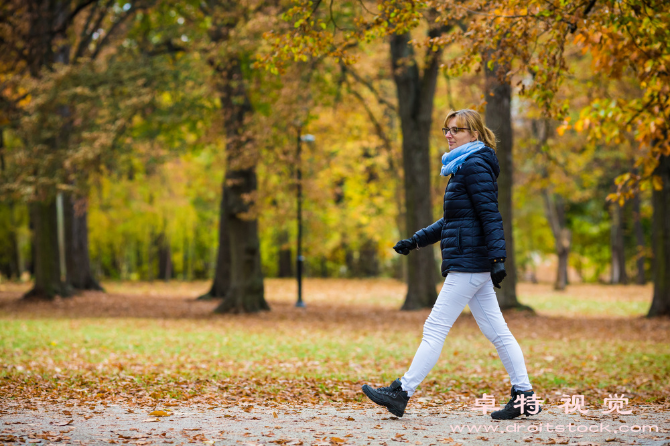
x,y
509,411
392,397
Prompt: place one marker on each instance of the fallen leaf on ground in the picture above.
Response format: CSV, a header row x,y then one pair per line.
x,y
160,413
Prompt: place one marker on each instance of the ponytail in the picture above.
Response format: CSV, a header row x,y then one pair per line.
x,y
472,120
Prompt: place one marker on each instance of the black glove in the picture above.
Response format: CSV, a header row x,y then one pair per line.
x,y
498,273
405,246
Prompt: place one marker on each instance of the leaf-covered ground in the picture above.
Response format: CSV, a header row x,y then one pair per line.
x,y
154,345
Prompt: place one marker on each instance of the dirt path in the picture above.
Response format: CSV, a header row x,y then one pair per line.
x,y
360,424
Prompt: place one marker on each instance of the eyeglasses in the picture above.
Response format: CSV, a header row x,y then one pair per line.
x,y
453,130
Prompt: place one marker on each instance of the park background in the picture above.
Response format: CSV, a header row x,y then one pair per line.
x,y
152,154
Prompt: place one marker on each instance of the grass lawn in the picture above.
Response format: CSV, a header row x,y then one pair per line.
x,y
153,341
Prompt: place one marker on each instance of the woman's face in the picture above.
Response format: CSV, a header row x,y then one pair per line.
x,y
460,138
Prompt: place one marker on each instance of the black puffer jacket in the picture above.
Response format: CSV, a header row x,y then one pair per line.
x,y
471,229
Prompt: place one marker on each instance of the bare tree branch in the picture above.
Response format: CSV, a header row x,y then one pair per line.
x,y
105,40
370,87
86,33
80,7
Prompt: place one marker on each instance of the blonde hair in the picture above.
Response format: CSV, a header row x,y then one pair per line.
x,y
472,120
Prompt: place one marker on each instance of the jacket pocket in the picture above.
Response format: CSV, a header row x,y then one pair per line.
x,y
458,240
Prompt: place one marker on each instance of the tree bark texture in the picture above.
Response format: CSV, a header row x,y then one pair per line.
x,y
660,305
617,243
416,93
499,119
77,259
48,282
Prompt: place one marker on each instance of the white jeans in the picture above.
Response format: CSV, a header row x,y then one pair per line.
x,y
459,290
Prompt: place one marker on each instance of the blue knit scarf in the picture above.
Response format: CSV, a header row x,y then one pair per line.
x,y
451,161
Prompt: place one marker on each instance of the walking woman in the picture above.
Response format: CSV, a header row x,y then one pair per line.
x,y
472,242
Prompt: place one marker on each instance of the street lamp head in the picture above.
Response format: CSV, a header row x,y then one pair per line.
x,y
307,138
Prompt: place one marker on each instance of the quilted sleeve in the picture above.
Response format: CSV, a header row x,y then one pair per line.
x,y
431,234
482,189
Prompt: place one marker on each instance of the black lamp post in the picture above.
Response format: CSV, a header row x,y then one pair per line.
x,y
299,258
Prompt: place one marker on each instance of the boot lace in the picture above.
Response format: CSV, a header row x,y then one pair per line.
x,y
391,390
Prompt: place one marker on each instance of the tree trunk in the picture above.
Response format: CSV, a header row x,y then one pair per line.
x,y
11,261
48,282
185,259
499,119
77,259
555,212
246,292
562,267
189,257
241,286
639,241
285,262
164,257
416,94
617,243
660,305
368,264
151,248
349,260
